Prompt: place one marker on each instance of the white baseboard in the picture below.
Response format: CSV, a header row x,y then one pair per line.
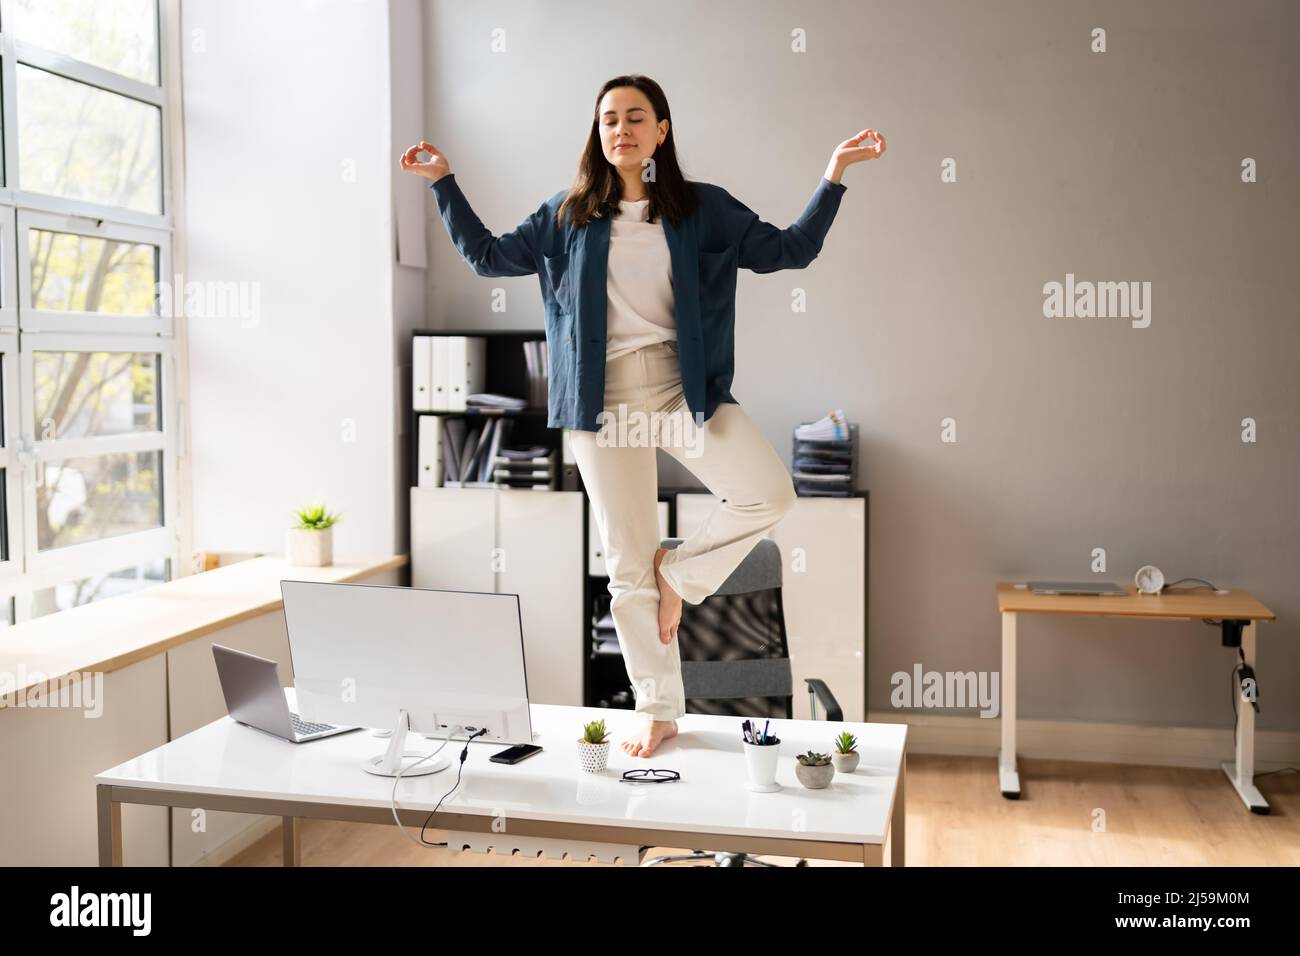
x,y
1203,747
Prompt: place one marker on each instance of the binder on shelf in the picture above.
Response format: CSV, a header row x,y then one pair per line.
x,y
438,373
536,372
502,429
454,440
476,443
429,451
466,368
422,373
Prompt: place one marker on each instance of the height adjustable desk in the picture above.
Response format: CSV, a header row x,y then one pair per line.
x,y
1238,611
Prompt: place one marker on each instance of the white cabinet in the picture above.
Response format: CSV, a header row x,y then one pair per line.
x,y
596,546
823,545
539,534
453,532
512,542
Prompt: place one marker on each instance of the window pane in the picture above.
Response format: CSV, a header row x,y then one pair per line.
x,y
6,612
86,394
100,586
81,142
87,499
72,273
117,35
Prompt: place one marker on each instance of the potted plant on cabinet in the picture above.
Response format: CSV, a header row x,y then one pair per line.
x,y
593,747
814,770
310,543
846,756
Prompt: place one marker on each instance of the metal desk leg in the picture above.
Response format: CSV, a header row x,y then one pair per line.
x,y
110,826
897,825
291,841
1241,774
1008,778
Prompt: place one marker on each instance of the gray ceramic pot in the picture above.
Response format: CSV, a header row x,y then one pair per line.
x,y
845,763
815,778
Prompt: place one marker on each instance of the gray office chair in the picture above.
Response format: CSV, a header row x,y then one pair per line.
x,y
736,662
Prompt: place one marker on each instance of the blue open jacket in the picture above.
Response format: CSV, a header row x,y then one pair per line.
x,y
721,236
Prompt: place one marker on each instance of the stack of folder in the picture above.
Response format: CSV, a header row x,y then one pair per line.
x,y
604,638
525,468
825,457
492,402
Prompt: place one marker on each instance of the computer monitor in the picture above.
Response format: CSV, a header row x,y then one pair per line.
x,y
421,659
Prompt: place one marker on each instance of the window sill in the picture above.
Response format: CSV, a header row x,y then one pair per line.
x,y
118,632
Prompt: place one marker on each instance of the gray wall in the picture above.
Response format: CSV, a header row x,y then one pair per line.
x,y
927,300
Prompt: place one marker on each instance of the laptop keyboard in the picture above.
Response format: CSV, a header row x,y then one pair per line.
x,y
304,727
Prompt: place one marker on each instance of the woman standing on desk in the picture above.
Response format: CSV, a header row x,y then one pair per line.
x,y
638,274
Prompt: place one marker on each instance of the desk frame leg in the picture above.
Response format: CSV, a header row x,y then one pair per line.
x,y
1008,777
291,841
1241,773
898,825
109,813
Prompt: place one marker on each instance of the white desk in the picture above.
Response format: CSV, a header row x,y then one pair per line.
x,y
546,804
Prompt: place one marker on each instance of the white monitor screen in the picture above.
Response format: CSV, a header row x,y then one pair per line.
x,y
364,652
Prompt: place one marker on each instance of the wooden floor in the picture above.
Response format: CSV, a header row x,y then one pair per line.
x,y
1151,816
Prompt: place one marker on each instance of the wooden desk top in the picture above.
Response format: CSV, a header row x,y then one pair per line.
x,y
1203,603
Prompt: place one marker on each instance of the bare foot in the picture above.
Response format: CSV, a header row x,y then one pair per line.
x,y
670,603
651,736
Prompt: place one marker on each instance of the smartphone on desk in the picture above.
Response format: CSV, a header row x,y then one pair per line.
x,y
516,753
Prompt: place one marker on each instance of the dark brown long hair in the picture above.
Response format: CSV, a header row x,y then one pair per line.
x,y
598,187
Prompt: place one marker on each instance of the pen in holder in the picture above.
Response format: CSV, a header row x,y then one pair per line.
x,y
761,753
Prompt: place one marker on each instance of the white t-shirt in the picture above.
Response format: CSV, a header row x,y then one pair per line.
x,y
639,282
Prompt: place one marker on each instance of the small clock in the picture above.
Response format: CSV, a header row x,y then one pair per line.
x,y
1149,579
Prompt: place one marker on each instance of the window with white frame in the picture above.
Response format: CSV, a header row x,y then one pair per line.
x,y
87,365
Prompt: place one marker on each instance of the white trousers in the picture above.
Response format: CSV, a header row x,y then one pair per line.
x,y
645,409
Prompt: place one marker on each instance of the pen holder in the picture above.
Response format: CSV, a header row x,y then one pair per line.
x,y
760,762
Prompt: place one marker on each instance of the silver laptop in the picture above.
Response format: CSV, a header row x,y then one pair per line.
x,y
1075,587
255,698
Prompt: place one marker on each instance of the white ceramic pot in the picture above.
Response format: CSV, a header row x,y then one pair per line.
x,y
309,548
593,757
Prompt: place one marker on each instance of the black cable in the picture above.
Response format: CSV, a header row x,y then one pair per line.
x,y
1201,583
463,755
1236,689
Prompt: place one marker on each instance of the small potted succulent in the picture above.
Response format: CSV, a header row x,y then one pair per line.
x,y
593,747
815,771
310,543
846,756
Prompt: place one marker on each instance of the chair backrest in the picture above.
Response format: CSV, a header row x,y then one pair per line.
x,y
735,657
